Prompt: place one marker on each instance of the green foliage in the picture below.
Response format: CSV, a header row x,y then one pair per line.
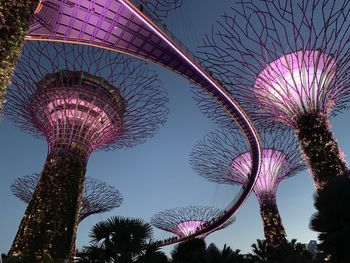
x,y
15,16
333,218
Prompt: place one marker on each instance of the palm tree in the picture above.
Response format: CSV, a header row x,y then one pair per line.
x,y
190,251
226,255
260,251
121,240
152,255
333,219
289,252
195,251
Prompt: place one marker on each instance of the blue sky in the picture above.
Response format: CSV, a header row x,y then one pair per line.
x,y
156,175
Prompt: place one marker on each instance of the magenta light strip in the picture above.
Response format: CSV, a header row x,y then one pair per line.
x,y
217,87
200,71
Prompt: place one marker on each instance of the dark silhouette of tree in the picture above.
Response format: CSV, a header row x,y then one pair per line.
x,y
289,252
333,219
226,255
190,251
122,240
195,250
152,255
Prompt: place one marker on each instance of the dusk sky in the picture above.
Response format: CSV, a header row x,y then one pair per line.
x,y
156,175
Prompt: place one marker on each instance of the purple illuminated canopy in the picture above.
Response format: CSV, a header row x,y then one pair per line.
x,y
74,107
186,221
80,98
297,83
188,227
125,28
85,97
223,157
281,59
274,168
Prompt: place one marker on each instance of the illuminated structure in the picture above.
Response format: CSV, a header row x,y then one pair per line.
x,y
80,99
185,221
98,197
124,26
289,64
225,158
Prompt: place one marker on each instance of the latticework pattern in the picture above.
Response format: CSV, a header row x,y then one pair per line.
x,y
161,8
185,221
286,61
79,98
98,196
72,82
223,157
275,57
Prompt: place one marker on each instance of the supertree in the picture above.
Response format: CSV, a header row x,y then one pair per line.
x,y
98,196
224,158
121,25
287,61
184,221
80,99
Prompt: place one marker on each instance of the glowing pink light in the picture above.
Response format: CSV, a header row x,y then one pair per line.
x,y
82,114
217,87
188,228
297,83
271,173
63,109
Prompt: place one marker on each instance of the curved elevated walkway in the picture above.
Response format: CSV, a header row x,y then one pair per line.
x,y
119,25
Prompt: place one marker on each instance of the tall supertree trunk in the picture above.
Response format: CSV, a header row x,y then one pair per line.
x,y
319,148
274,232
15,17
52,235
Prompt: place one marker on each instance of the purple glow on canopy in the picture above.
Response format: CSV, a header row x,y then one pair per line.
x,y
76,108
271,173
188,227
297,83
121,26
185,221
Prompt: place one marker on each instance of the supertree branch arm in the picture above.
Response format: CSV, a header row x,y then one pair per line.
x,y
57,229
98,198
273,228
161,8
320,149
15,17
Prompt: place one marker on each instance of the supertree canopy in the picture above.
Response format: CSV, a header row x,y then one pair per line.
x,y
287,61
80,99
224,158
98,196
185,221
